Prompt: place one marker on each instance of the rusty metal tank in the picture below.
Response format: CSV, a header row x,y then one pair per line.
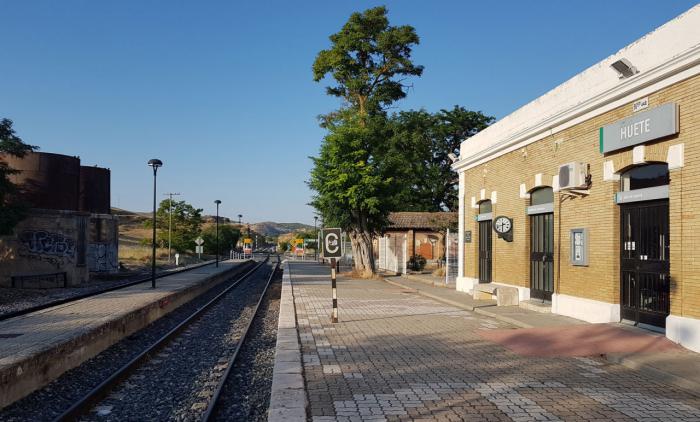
x,y
47,180
94,190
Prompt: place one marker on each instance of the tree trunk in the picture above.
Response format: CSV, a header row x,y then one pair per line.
x,y
362,252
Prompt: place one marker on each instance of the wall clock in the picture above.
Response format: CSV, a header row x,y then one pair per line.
x,y
503,226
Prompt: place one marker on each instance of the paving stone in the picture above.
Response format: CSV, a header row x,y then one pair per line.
x,y
401,356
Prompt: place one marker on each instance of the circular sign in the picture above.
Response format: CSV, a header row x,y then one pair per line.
x,y
332,243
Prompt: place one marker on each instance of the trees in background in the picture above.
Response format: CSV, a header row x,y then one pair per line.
x,y
228,238
12,210
369,61
419,145
186,224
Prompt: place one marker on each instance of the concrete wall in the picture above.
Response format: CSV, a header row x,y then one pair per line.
x,y
103,243
46,242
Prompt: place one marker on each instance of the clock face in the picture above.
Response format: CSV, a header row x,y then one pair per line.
x,y
503,225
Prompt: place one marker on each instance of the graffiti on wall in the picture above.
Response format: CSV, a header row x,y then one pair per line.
x,y
102,257
54,248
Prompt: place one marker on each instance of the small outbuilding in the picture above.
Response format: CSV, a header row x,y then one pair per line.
x,y
411,234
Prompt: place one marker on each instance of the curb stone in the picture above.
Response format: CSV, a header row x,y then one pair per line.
x,y
287,396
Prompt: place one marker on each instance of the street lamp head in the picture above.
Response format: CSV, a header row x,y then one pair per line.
x,y
217,202
155,163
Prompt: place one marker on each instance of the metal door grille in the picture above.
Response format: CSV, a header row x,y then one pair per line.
x,y
542,256
644,263
485,251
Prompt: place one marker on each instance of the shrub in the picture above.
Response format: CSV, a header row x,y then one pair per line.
x,y
416,263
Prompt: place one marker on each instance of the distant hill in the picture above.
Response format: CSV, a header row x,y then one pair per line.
x,y
266,228
270,228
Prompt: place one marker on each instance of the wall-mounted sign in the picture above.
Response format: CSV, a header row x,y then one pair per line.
x,y
331,243
540,209
468,236
579,247
639,128
640,105
638,195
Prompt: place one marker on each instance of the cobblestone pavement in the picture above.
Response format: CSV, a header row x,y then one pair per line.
x,y
399,356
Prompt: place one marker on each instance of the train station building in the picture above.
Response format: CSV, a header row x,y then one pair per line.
x,y
587,199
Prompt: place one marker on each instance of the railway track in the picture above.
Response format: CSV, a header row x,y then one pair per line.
x,y
196,355
143,279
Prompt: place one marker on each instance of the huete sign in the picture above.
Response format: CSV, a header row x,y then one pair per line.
x,y
639,128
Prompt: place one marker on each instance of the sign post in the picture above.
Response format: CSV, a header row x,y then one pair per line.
x,y
199,241
331,249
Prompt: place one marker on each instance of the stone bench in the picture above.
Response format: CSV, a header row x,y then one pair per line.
x,y
505,296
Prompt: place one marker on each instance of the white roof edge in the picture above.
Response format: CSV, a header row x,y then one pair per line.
x,y
664,56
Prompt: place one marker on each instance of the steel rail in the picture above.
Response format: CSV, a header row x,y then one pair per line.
x,y
85,403
211,408
58,302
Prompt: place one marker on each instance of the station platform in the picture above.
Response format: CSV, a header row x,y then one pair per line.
x,y
38,347
398,355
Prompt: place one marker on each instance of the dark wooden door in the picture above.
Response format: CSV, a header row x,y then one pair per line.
x,y
485,251
542,256
644,262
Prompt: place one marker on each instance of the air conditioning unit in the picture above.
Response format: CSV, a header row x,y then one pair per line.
x,y
573,176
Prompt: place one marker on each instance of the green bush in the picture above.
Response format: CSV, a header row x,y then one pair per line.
x,y
416,263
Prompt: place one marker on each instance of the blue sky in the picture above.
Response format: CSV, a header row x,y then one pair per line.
x,y
222,92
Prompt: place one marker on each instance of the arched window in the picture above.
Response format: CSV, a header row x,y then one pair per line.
x,y
484,207
646,176
541,196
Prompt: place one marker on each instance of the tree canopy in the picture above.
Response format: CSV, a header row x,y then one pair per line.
x,y
228,238
371,163
186,224
365,59
369,60
419,146
12,210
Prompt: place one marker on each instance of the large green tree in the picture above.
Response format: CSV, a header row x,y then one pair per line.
x,y
186,224
228,238
369,61
420,145
12,210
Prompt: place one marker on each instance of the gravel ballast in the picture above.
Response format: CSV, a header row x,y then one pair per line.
x,y
246,395
50,401
177,383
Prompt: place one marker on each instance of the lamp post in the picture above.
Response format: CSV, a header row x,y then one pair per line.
x,y
170,222
217,202
317,240
155,163
239,218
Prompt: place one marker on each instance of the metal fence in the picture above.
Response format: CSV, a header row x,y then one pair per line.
x,y
451,255
392,254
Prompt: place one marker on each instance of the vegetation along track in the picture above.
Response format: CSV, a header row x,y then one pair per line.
x,y
51,402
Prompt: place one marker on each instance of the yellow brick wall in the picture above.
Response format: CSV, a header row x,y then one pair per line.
x,y
600,280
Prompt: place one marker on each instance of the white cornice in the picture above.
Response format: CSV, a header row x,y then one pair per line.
x,y
682,67
664,57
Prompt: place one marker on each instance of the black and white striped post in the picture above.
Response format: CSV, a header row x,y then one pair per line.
x,y
331,249
334,315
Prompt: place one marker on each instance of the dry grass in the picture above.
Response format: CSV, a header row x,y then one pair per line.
x,y
138,255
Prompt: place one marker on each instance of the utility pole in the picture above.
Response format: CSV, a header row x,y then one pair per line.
x,y
170,222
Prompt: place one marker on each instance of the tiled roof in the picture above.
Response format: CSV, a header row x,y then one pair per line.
x,y
421,220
